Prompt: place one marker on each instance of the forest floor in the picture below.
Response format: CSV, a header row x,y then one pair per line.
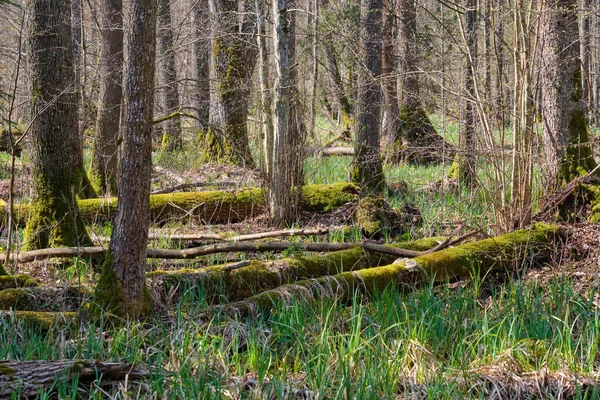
x,y
532,333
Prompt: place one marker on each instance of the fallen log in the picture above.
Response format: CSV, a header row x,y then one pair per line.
x,y
16,281
246,280
43,298
216,248
501,252
40,320
26,379
329,151
198,237
183,186
215,206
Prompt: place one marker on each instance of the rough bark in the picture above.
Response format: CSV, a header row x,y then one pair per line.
x,y
172,139
333,69
506,252
389,78
207,207
54,217
122,289
286,164
233,60
258,276
202,55
463,167
415,140
26,379
265,95
566,138
367,169
106,141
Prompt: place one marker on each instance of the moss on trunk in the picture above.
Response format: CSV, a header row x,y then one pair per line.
x,y
503,252
259,276
416,142
209,207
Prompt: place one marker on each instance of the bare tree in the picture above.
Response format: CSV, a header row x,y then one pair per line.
x,y
367,170
105,151
566,138
233,60
122,288
172,139
54,219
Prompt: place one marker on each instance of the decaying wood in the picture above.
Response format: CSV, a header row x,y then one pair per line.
x,y
183,186
502,252
216,248
234,282
329,151
194,237
25,379
216,206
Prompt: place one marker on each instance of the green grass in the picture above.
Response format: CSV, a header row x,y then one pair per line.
x,y
434,339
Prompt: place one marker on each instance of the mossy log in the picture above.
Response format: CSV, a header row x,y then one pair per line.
x,y
258,276
26,379
502,252
41,298
40,320
209,207
16,281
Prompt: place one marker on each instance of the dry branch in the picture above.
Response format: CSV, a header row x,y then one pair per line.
x,y
25,379
183,186
195,237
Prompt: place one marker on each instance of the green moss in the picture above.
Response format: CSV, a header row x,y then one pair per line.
x,y
16,299
42,320
578,159
371,217
16,281
500,252
259,276
325,198
7,371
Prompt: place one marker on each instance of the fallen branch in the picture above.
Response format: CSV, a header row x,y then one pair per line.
x,y
25,379
216,248
329,151
184,186
241,238
484,256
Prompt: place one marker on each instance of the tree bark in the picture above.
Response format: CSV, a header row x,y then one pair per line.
x,y
29,378
388,68
172,140
265,91
54,219
122,289
566,138
105,159
233,60
202,54
367,169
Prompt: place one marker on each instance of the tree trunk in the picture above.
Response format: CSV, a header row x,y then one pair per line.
x,y
584,52
391,126
121,289
202,54
566,139
233,59
463,167
416,141
54,217
84,188
367,170
172,140
335,76
105,159
265,91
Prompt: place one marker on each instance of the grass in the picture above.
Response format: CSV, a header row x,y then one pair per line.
x,y
435,339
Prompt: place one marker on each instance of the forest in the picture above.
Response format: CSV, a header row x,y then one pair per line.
x,y
299,199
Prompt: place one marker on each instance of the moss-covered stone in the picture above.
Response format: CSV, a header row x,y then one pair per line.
x,y
240,283
503,252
